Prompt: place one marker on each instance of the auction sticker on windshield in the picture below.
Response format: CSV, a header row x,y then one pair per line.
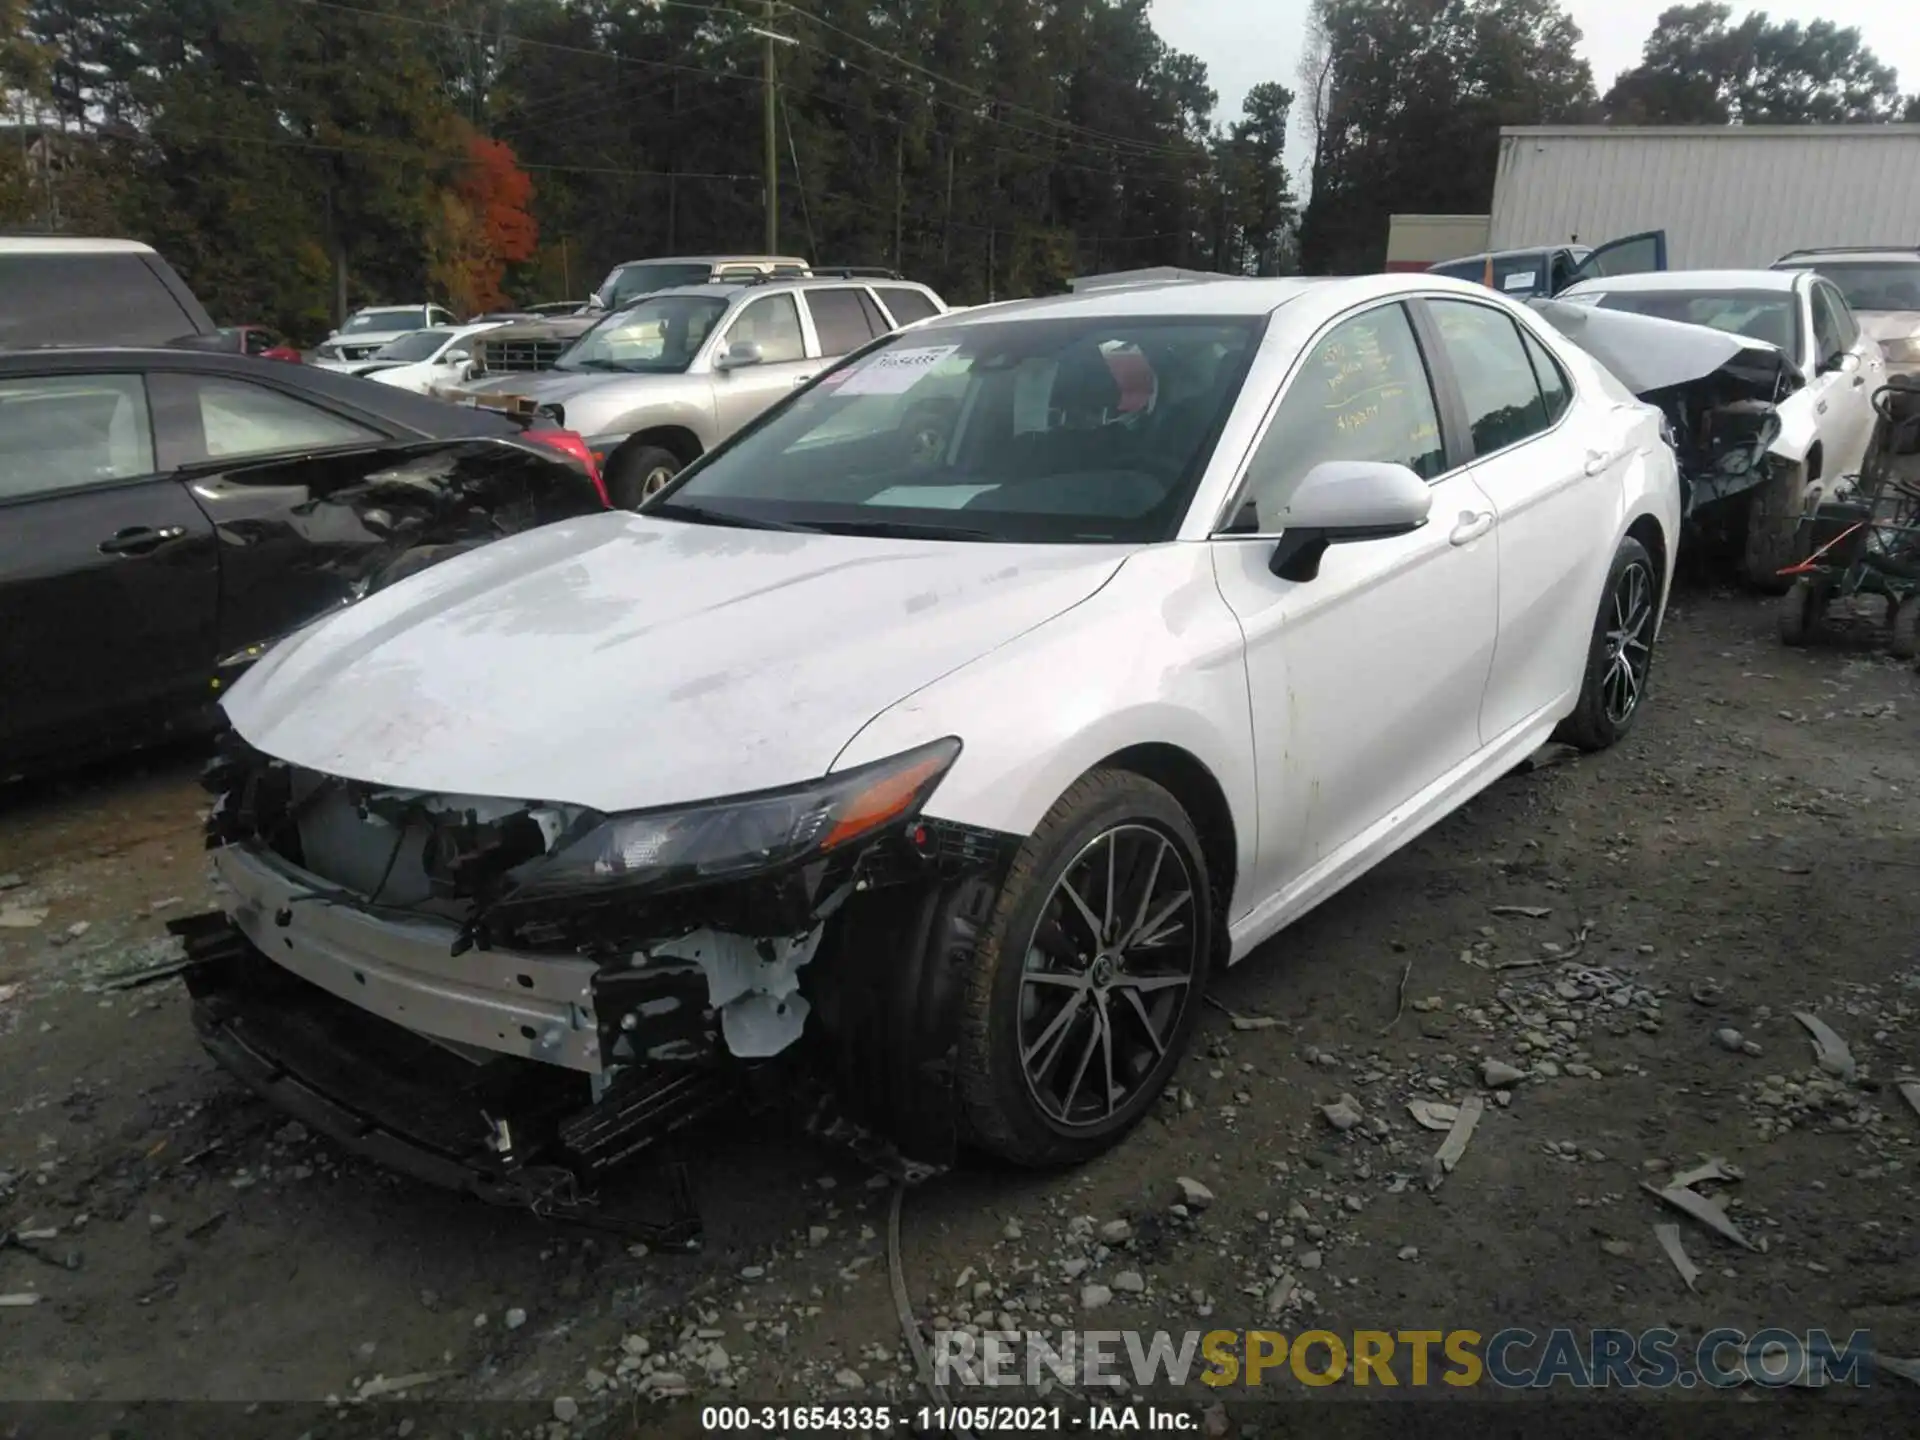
x,y
894,372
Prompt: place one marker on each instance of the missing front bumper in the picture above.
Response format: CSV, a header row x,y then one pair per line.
x,y
509,1131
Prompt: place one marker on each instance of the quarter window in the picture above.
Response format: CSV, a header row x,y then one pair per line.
x,y
1829,339
1496,379
773,323
1555,391
840,320
1361,394
66,432
907,305
1849,325
239,419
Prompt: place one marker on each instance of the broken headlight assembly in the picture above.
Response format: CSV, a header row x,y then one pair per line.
x,y
728,839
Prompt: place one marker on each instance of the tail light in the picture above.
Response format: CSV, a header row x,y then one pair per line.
x,y
574,446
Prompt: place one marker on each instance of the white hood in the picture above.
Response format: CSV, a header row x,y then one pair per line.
x,y
620,662
1885,325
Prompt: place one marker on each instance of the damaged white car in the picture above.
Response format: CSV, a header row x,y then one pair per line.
x,y
1817,406
936,737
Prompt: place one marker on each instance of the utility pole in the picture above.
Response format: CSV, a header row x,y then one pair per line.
x,y
773,151
899,187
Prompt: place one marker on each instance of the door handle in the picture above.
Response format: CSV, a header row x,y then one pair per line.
x,y
1599,462
1858,381
140,539
1821,408
1471,527
800,380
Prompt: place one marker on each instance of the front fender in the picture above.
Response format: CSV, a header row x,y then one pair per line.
x,y
688,410
1153,658
1799,428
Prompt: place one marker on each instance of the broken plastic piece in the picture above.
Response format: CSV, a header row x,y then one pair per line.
x,y
1432,1114
381,1385
22,917
1704,1210
753,983
1713,1169
1669,1238
1258,1022
1455,1145
1830,1052
19,1300
1530,912
1910,1090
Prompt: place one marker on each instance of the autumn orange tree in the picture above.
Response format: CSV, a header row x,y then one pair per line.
x,y
484,225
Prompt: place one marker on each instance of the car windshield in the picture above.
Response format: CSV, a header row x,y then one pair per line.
x,y
1769,315
1081,430
375,320
656,337
1876,285
420,345
630,282
1514,274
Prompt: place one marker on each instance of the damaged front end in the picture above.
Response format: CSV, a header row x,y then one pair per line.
x,y
1720,392
512,998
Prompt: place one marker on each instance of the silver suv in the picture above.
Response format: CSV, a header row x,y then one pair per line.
x,y
658,384
1882,286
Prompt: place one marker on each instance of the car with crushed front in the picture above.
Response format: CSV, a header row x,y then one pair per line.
x,y
656,385
934,778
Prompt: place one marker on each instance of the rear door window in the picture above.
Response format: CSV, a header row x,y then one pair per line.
x,y
66,432
1495,376
237,419
842,320
1829,336
77,299
907,305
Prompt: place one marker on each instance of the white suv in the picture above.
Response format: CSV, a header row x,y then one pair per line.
x,y
1883,287
367,330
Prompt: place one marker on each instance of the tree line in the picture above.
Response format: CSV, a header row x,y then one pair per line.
x,y
297,157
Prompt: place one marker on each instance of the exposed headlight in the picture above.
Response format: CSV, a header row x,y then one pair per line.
x,y
727,839
1902,352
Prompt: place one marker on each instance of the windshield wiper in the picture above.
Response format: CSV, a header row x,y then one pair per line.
x,y
902,530
586,365
701,515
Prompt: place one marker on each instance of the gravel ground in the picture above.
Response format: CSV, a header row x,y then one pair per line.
x,y
1607,954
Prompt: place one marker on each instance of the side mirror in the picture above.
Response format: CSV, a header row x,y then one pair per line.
x,y
738,356
1343,501
455,357
596,301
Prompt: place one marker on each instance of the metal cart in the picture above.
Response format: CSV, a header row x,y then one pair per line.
x,y
1865,540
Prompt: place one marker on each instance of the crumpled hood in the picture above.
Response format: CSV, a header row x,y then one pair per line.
x,y
622,661
543,387
1648,353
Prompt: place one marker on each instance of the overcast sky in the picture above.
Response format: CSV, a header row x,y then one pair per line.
x,y
1247,41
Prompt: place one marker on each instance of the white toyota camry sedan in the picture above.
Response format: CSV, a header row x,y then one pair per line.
x,y
938,736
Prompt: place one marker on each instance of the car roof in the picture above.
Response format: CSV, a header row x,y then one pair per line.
x,y
1813,259
69,245
1692,280
714,260
727,289
1485,255
418,413
1225,296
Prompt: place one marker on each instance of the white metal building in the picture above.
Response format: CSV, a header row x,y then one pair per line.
x,y
1726,195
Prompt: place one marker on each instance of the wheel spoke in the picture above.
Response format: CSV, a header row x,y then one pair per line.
x,y
1153,934
1146,894
1150,982
1113,853
1146,1022
1086,911
1106,1045
1054,977
1080,1070
1056,1032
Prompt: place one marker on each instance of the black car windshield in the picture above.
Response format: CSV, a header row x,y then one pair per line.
x,y
1080,430
1876,285
659,336
375,320
1521,275
630,282
1769,315
420,345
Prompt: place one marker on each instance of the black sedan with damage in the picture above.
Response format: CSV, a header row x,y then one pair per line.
x,y
167,514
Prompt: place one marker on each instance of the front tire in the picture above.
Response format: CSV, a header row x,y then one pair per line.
x,y
1801,610
1086,984
640,473
1773,527
1619,654
1904,641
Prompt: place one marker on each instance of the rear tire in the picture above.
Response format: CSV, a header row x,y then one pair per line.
x,y
639,473
1619,653
1107,1010
1801,610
